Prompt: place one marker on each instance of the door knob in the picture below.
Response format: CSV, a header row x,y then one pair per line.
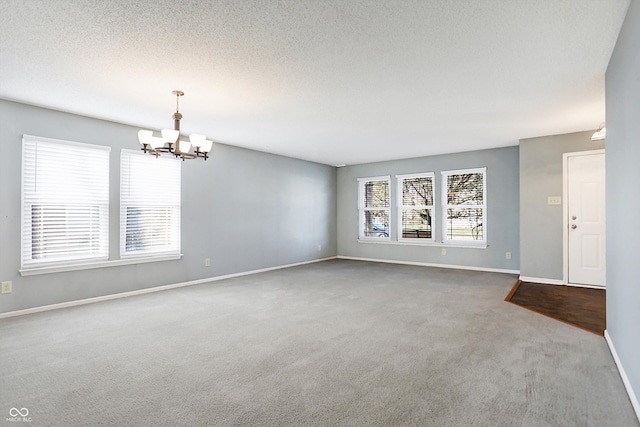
x,y
573,226
573,217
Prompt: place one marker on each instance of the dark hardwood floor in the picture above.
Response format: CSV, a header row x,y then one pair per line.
x,y
581,307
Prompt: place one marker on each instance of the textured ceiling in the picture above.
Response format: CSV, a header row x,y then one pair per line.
x,y
333,81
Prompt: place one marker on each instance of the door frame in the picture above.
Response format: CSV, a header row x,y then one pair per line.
x,y
565,215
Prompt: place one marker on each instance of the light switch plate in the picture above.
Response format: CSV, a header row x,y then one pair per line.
x,y
554,200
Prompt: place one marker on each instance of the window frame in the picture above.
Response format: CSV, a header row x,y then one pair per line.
x,y
96,199
445,206
362,209
401,207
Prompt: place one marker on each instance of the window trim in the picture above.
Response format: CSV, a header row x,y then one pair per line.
x,y
445,206
96,264
401,207
362,209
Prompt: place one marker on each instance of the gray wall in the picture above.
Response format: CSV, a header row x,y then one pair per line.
x,y
623,196
502,212
244,209
540,223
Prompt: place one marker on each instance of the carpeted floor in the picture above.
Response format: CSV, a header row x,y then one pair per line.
x,y
328,344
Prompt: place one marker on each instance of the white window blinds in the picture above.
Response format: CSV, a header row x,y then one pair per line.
x,y
149,205
65,202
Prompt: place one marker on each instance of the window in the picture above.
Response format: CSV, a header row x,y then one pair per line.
x,y
465,206
149,205
415,207
373,208
65,202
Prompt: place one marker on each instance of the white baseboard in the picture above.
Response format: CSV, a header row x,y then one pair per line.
x,y
149,290
623,375
429,264
542,280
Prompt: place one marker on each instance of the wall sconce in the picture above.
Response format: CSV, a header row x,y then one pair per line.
x,y
600,134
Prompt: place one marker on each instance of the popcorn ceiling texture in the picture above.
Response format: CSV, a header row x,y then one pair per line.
x,y
329,81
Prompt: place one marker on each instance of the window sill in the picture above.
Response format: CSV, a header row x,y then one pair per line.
x,y
99,264
432,243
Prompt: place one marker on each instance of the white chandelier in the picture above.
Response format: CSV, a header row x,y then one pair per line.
x,y
170,141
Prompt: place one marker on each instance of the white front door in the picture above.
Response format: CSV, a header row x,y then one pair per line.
x,y
586,222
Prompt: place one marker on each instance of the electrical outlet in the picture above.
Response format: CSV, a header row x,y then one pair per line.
x,y
444,252
508,255
7,287
319,248
207,262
